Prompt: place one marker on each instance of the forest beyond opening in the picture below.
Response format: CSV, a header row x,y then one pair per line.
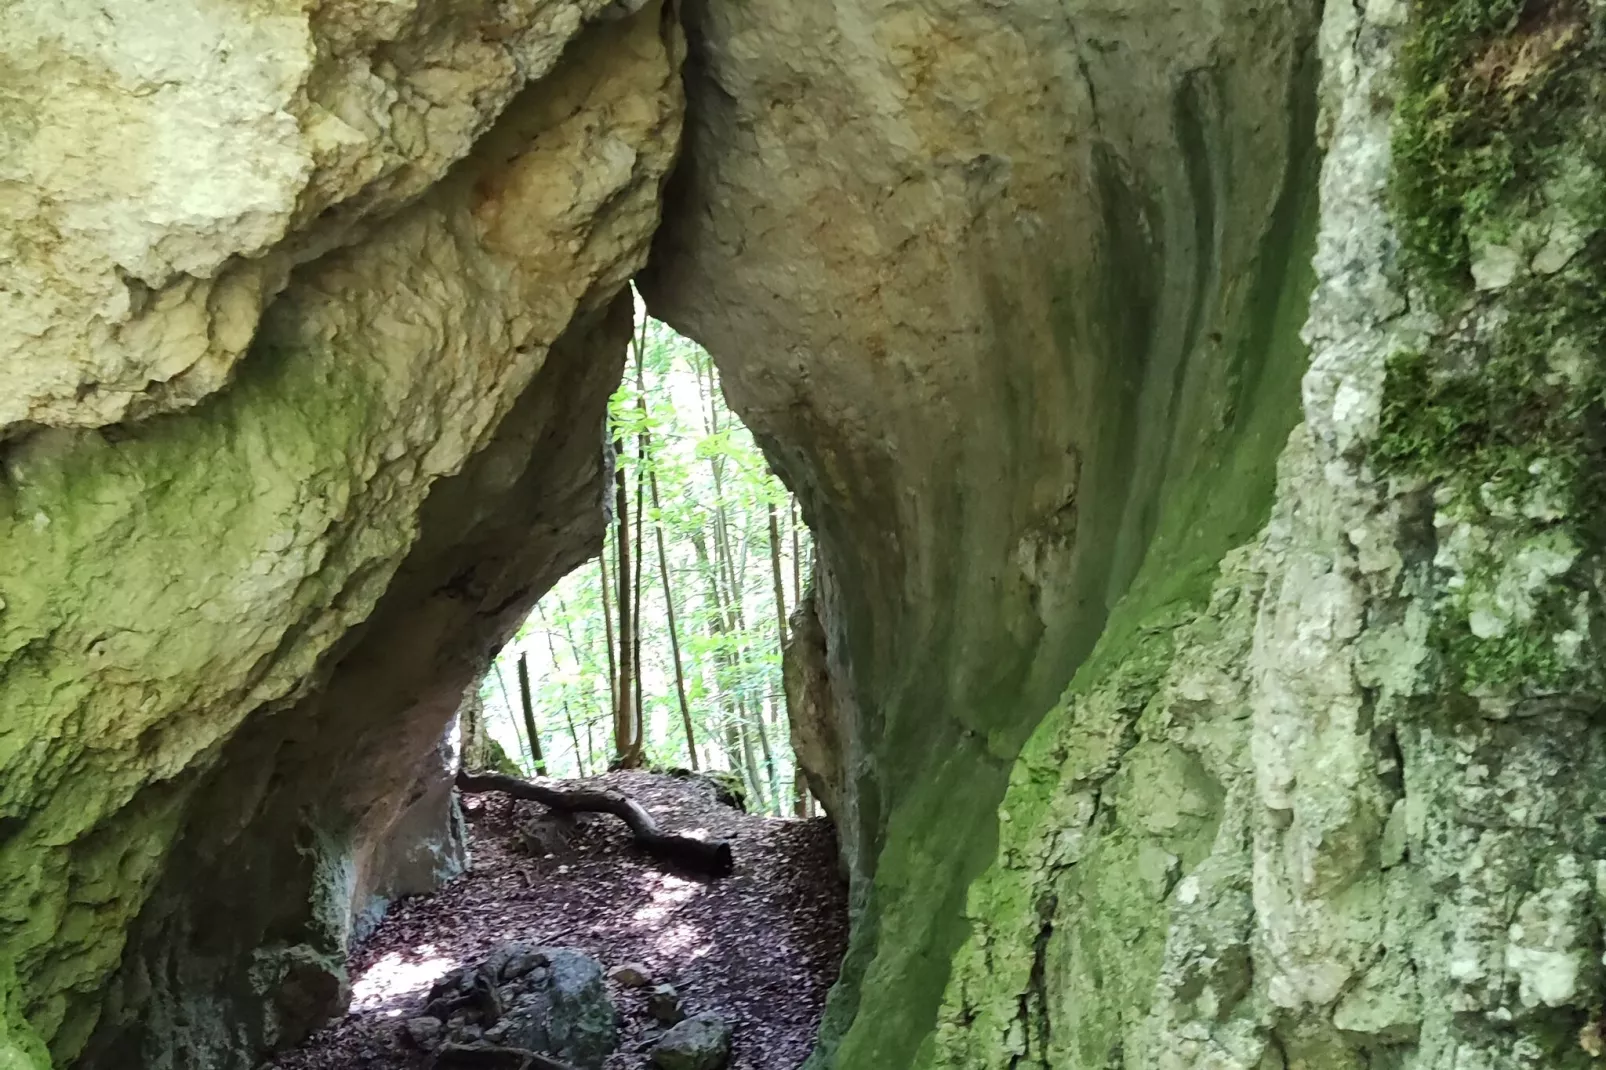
x,y
665,650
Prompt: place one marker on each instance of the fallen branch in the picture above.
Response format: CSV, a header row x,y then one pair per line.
x,y
489,1056
712,857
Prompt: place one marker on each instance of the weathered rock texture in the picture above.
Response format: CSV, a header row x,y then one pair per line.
x,y
1012,294
166,166
231,637
1204,666
1341,814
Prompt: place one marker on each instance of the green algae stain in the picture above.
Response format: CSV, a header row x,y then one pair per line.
x,y
20,1046
1068,924
146,555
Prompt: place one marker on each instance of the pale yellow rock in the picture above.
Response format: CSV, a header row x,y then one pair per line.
x,y
163,166
327,548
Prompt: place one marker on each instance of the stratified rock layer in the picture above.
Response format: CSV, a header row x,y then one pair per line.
x,y
232,638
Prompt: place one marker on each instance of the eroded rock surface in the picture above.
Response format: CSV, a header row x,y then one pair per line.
x,y
184,159
1206,670
231,638
1333,815
1011,294
1014,296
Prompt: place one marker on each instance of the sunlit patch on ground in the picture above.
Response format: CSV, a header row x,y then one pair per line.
x,y
667,893
398,977
759,948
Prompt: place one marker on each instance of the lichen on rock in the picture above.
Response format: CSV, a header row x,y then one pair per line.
x,y
1393,687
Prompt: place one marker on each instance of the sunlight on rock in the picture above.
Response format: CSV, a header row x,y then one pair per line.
x,y
398,974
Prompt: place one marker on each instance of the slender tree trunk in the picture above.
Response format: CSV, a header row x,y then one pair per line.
x,y
623,718
742,727
586,665
552,651
737,623
607,627
669,614
797,555
714,622
512,716
591,745
637,739
579,758
536,757
757,706
776,576
471,731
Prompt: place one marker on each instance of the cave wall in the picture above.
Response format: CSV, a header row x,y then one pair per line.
x,y
1198,408
1086,378
1340,814
233,632
1011,295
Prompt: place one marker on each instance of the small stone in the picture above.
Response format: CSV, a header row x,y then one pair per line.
x,y
631,975
424,1031
663,1003
702,1042
1386,12
1566,240
1494,267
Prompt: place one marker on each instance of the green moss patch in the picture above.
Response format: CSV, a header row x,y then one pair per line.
x,y
1486,88
1499,146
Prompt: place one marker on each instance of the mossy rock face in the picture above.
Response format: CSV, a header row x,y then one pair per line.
x,y
1500,191
497,760
1334,856
232,637
729,788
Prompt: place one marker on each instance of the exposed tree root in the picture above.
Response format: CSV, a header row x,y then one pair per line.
x,y
710,857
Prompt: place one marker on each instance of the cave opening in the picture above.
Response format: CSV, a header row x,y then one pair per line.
x,y
688,617
1028,352
647,676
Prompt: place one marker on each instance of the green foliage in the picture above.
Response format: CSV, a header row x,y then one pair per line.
x,y
714,483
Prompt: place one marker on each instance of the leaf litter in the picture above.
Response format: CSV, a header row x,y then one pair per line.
x,y
760,948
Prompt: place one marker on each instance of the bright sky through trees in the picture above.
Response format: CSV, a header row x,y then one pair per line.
x,y
716,503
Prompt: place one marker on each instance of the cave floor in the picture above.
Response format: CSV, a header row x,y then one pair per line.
x,y
760,948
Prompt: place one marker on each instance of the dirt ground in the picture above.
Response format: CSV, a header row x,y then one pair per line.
x,y
760,948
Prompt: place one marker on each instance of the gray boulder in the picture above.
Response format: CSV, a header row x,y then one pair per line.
x,y
551,1000
702,1042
